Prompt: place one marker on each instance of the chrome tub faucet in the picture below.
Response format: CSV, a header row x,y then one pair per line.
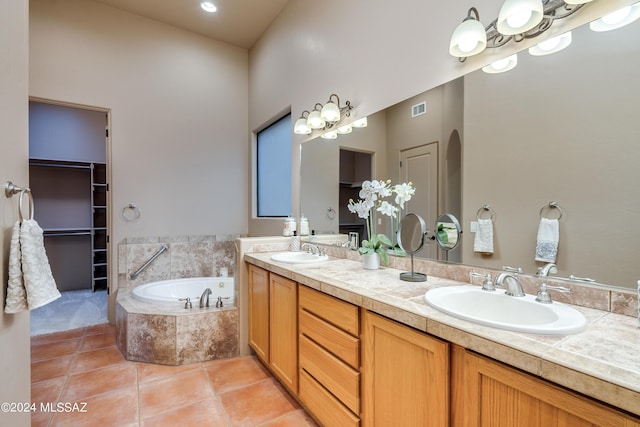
x,y
204,298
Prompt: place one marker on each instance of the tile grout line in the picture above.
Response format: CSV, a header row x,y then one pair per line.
x,y
227,418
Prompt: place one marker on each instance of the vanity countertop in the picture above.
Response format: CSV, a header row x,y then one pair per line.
x,y
602,362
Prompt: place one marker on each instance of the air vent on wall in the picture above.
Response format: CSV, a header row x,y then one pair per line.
x,y
418,109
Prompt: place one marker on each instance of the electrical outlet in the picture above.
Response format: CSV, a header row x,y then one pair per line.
x,y
474,226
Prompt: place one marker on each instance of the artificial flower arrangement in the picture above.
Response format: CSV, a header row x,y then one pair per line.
x,y
371,199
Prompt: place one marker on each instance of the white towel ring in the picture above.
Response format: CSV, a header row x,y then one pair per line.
x,y
550,207
331,213
31,209
127,216
485,208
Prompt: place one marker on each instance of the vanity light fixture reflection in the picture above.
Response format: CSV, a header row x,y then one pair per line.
x,y
501,65
553,45
360,123
343,130
617,19
332,134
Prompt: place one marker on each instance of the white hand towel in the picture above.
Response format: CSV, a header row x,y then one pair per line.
x,y
483,240
38,280
16,300
548,238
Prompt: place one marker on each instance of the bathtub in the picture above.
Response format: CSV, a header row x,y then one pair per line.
x,y
170,292
153,325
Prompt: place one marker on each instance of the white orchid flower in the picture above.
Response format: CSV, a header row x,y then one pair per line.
x,y
361,207
404,192
387,209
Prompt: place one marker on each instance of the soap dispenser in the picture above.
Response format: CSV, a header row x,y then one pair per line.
x,y
295,242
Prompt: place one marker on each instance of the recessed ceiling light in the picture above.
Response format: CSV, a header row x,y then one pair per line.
x,y
208,6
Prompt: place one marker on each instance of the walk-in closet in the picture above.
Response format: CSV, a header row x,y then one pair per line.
x,y
68,179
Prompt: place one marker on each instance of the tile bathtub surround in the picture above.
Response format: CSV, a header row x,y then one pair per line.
x,y
72,367
188,256
174,336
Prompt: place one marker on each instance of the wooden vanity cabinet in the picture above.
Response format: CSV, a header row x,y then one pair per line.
x,y
486,392
329,358
273,333
405,375
259,312
283,330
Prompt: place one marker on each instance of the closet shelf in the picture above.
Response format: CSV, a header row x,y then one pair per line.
x,y
92,188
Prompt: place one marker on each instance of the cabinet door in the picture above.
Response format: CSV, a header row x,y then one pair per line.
x,y
490,393
259,312
405,375
283,341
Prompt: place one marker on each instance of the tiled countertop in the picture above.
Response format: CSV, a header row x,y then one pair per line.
x,y
602,362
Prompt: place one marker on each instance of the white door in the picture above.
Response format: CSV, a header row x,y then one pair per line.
x,y
420,166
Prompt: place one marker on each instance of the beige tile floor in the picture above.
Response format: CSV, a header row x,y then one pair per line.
x,y
85,366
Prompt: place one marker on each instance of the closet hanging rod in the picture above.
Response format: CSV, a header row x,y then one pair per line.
x,y
57,234
59,165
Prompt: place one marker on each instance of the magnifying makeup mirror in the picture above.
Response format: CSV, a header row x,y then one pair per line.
x,y
411,234
447,232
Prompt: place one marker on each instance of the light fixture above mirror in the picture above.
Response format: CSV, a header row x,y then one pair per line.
x,y
518,20
327,119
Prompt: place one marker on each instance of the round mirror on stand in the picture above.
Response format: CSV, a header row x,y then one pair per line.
x,y
448,231
411,234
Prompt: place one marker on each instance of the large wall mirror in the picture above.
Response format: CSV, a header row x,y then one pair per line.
x,y
558,128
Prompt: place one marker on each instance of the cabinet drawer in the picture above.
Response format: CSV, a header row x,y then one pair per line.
x,y
323,405
339,313
338,342
331,372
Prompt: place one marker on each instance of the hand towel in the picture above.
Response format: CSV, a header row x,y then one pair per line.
x,y
483,240
548,238
38,280
16,300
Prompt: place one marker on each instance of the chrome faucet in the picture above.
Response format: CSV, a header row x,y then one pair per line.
x,y
548,268
513,286
204,298
311,248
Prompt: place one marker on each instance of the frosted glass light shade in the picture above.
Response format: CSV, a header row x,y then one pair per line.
x,y
344,129
468,39
332,134
519,16
502,65
617,19
315,121
360,123
553,45
577,1
301,127
330,112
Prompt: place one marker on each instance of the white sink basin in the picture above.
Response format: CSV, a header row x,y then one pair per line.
x,y
520,314
298,257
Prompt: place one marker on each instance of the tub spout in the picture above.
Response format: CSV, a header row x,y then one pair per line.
x,y
204,298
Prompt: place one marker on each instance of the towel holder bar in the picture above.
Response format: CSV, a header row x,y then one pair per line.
x,y
485,208
552,205
10,189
